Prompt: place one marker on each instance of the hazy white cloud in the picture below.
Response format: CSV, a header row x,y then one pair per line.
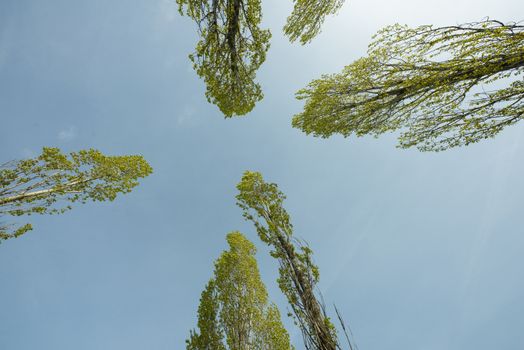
x,y
186,116
6,34
68,134
168,10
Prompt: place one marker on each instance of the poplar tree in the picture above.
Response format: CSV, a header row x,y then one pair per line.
x,y
51,182
262,204
234,312
434,84
232,47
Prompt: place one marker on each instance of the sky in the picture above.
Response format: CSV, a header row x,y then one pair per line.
x,y
417,250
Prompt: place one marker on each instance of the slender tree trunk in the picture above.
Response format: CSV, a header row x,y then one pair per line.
x,y
29,195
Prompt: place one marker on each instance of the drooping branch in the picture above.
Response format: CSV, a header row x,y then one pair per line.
x,y
433,84
307,18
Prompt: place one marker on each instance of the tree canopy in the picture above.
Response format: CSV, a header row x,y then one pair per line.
x,y
232,46
49,183
231,49
433,84
307,18
234,305
262,203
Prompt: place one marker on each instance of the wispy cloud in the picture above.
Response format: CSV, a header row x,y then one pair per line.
x,y
169,10
503,164
6,34
68,134
187,116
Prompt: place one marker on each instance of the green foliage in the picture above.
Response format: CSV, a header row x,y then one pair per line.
x,y
211,334
232,46
428,82
39,185
262,204
231,49
307,17
235,306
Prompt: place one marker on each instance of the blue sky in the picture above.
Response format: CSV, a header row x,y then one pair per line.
x,y
418,250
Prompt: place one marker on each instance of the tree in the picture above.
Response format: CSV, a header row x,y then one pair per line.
x,y
40,185
232,46
307,17
231,49
235,305
262,204
428,82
